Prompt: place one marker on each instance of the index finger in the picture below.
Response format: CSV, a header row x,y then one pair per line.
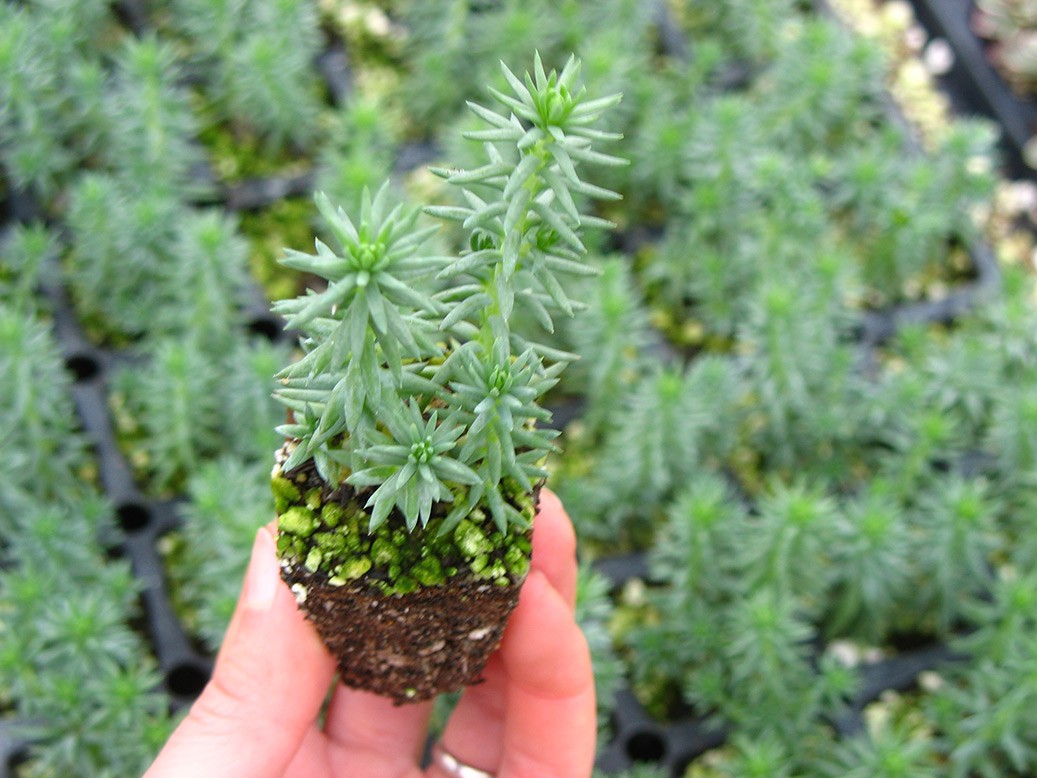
x,y
270,679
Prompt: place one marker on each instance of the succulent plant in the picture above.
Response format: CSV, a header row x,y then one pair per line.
x,y
413,454
88,695
228,501
257,57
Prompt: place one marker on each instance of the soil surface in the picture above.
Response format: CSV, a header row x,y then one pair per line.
x,y
409,647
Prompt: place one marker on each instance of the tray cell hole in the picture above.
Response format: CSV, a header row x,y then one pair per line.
x,y
83,366
133,517
17,758
187,679
646,746
265,327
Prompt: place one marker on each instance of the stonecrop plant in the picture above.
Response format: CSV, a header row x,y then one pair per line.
x,y
414,383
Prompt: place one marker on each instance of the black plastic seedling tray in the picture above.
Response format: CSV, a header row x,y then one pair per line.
x,y
876,327
142,520
974,85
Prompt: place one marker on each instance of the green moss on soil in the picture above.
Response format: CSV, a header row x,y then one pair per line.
x,y
238,153
285,223
285,493
334,539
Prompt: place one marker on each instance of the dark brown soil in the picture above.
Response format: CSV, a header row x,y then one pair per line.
x,y
409,647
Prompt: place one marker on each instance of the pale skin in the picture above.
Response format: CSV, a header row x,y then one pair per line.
x,y
534,717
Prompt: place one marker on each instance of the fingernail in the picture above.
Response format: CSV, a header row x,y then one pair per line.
x,y
262,578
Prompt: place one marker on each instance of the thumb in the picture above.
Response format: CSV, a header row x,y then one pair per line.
x,y
270,679
551,716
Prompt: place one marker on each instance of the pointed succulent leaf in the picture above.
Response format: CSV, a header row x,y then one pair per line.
x,y
424,395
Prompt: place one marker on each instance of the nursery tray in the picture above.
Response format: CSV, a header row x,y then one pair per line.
x,y
974,85
674,745
876,327
142,520
11,748
184,666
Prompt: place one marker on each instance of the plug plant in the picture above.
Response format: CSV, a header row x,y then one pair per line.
x,y
413,457
122,242
696,550
435,51
594,610
610,338
959,520
50,88
756,758
918,438
267,79
82,683
649,448
659,161
176,411
251,410
764,680
37,417
360,154
204,387
985,713
708,257
202,295
823,88
800,370
787,554
750,29
168,413
23,250
151,130
694,556
962,375
619,488
1014,413
871,563
898,748
906,215
257,57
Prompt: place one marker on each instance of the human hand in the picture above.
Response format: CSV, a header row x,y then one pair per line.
x,y
533,717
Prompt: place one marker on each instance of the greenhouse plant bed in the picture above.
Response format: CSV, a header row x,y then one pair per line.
x,y
918,275
672,744
142,520
973,83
